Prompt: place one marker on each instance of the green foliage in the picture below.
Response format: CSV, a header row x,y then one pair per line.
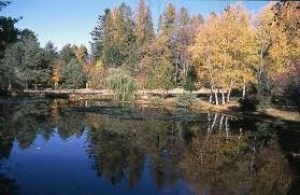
x,y
49,58
159,76
122,84
66,54
25,63
189,83
8,31
163,76
73,75
264,102
118,42
98,35
49,54
33,70
11,67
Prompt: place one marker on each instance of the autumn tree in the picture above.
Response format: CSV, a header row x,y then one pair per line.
x,y
97,75
119,45
49,59
263,44
278,35
182,37
241,56
157,67
204,53
144,31
227,59
167,21
81,53
56,73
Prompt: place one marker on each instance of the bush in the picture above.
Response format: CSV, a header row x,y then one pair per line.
x,y
249,104
185,100
264,102
123,85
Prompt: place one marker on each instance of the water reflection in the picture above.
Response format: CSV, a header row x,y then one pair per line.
x,y
144,150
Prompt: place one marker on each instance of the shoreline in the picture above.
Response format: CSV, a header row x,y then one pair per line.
x,y
269,115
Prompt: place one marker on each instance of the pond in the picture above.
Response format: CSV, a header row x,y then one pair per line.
x,y
93,147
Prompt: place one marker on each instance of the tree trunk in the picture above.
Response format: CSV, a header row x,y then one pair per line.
x,y
223,99
221,123
35,86
211,127
216,97
244,91
211,94
55,85
227,128
229,92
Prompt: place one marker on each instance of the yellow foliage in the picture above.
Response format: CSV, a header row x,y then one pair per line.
x,y
277,26
224,50
56,73
96,75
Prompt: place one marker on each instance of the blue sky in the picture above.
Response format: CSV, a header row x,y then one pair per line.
x,y
71,21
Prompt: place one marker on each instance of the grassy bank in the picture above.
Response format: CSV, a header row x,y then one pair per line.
x,y
233,108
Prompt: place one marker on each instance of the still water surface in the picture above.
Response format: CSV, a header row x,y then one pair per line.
x,y
58,147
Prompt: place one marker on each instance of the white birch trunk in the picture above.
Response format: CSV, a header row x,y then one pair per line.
x,y
223,99
227,128
211,94
214,122
216,97
221,123
244,89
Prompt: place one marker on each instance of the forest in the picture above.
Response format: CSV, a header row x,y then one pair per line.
x,y
254,55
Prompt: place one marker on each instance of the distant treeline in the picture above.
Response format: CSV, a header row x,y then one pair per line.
x,y
235,49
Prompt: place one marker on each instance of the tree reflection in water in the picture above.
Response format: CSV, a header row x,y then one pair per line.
x,y
7,186
236,162
211,151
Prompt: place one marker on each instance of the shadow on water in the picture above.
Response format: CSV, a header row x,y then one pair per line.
x,y
131,149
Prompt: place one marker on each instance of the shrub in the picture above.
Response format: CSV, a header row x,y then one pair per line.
x,y
121,82
185,100
249,104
